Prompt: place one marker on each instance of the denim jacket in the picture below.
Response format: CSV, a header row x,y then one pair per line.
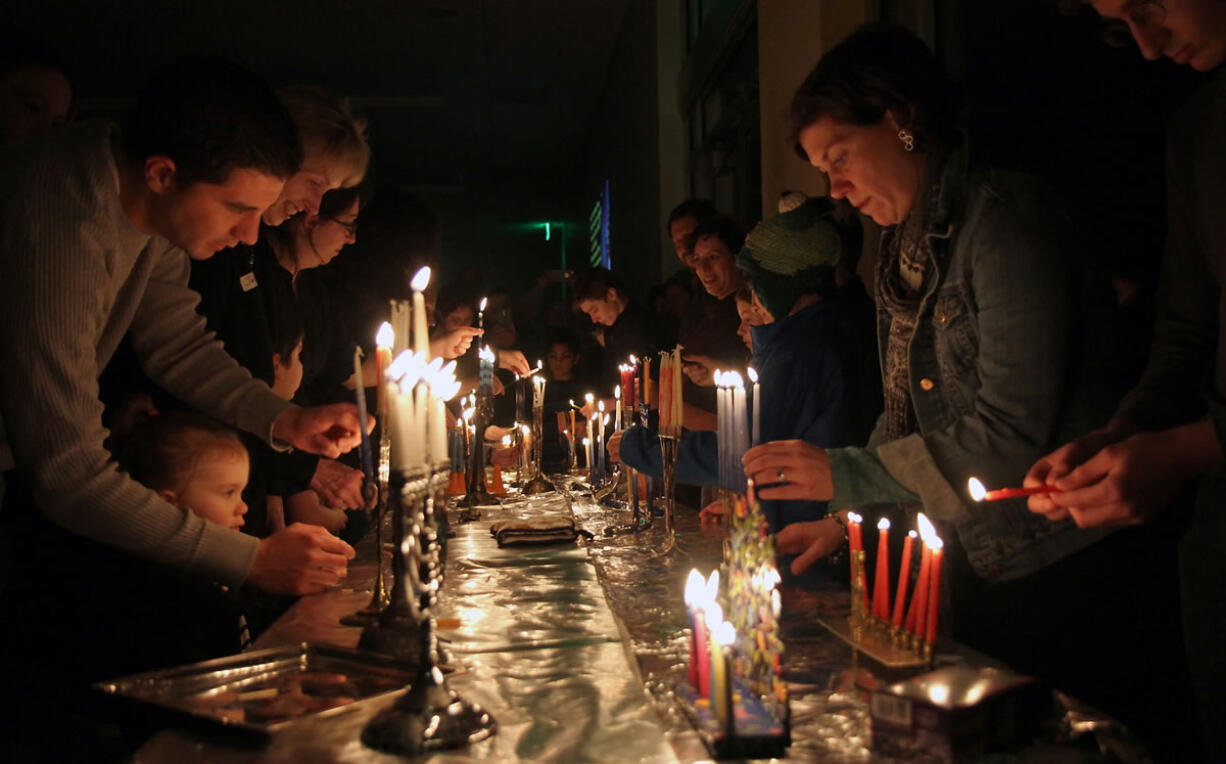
x,y
993,367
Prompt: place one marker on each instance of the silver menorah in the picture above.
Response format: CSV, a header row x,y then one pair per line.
x,y
430,715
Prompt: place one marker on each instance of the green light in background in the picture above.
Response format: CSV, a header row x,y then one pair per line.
x,y
548,230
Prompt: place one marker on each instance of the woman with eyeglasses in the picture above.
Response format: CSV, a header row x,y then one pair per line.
x,y
1164,448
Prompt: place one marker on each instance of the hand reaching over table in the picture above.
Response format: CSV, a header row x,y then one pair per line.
x,y
325,430
301,559
810,541
454,343
513,360
790,469
339,485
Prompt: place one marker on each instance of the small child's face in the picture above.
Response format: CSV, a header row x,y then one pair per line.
x,y
215,490
561,362
287,373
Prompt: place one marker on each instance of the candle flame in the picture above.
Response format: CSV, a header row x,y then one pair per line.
x,y
617,393
525,429
600,407
912,534
715,613
753,375
589,397
883,524
421,279
976,489
776,603
484,301
726,635
468,414
694,587
853,517
587,441
927,532
712,589
735,379
633,360
486,354
506,441
386,336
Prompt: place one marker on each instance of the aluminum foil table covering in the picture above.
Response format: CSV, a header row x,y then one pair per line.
x,y
537,646
560,642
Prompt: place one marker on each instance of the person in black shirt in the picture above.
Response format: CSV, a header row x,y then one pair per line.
x,y
628,328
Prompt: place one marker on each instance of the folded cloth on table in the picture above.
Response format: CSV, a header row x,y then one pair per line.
x,y
538,530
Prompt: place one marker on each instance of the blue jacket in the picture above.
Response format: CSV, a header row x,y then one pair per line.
x,y
802,390
994,372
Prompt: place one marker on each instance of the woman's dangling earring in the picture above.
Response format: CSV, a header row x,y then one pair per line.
x,y
907,138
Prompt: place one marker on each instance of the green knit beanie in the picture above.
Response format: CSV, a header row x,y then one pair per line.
x,y
792,253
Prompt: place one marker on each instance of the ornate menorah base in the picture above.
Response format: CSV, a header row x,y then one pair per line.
x,y
536,485
429,717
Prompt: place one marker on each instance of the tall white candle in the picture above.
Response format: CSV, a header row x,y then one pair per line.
x,y
421,337
617,419
757,408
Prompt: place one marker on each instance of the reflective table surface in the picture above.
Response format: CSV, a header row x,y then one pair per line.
x,y
575,650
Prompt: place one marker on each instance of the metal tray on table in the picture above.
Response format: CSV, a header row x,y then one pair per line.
x,y
265,691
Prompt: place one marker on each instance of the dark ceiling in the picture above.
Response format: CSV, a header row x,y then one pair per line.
x,y
458,92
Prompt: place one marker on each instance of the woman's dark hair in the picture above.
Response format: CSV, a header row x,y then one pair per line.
x,y
212,116
564,337
879,68
723,228
699,209
162,451
338,201
452,297
595,283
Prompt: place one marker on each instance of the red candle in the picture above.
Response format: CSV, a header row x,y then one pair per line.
x,y
855,544
694,588
853,532
934,591
919,597
979,493
904,574
627,378
881,579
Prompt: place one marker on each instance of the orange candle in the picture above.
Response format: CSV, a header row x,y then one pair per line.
x,y
881,580
934,590
919,598
647,380
904,575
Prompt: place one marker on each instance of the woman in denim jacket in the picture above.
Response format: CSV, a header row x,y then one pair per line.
x,y
979,294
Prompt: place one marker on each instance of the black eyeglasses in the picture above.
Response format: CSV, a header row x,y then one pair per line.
x,y
1144,16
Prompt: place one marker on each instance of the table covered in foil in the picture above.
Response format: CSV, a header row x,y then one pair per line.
x,y
576,649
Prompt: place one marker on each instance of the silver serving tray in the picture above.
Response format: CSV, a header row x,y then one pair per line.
x,y
265,691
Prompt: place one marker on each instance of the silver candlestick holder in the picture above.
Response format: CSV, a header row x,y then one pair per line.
x,y
535,481
430,716
669,445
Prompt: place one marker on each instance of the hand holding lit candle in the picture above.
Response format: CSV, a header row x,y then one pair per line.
x,y
978,493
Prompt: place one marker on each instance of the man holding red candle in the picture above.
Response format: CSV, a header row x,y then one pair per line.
x,y
1154,446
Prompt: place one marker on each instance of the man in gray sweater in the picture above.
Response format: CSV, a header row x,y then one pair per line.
x,y
96,231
